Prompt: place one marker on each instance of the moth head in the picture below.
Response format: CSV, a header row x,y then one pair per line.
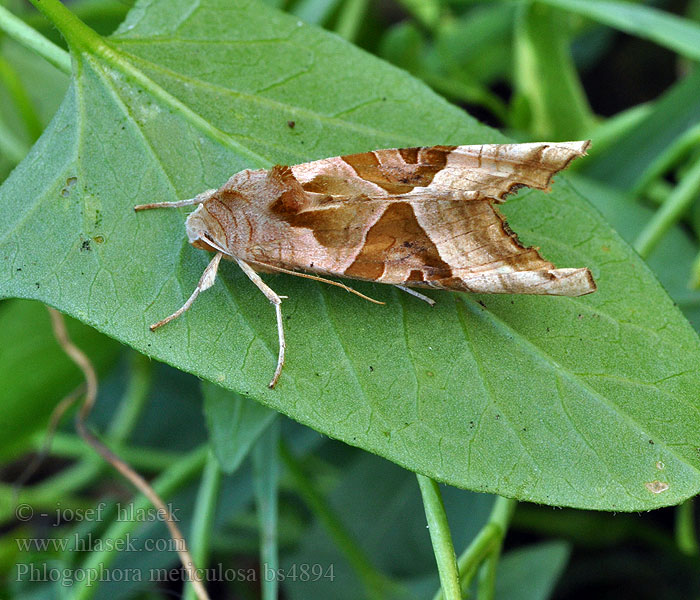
x,y
205,232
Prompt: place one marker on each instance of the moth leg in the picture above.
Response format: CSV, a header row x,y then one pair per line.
x,y
205,282
198,199
277,302
347,288
418,295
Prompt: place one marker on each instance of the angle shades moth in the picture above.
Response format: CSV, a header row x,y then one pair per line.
x,y
421,217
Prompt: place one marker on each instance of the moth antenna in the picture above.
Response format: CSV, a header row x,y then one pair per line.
x,y
198,199
418,295
277,302
205,282
347,288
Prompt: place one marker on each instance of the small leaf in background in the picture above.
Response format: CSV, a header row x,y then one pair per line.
x,y
234,423
531,572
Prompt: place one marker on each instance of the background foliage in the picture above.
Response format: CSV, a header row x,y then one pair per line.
x,y
588,402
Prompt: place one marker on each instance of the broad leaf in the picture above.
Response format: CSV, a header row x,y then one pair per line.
x,y
587,402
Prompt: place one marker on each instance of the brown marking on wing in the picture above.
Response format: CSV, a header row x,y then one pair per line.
x,y
291,197
340,226
410,155
395,240
367,166
399,171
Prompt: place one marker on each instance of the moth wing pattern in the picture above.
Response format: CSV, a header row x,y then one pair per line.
x,y
477,171
425,217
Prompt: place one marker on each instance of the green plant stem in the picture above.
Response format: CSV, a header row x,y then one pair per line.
x,y
686,537
165,485
135,397
11,147
375,583
75,32
486,544
440,537
203,518
69,445
605,133
670,212
19,31
681,145
350,18
21,99
80,37
266,469
43,497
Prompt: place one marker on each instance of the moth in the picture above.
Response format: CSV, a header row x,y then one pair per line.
x,y
409,217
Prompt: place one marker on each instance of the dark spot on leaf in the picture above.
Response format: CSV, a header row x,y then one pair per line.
x,y
291,124
19,268
651,442
481,302
85,246
371,369
38,285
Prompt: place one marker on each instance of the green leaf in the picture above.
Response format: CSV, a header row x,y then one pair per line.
x,y
671,261
531,572
573,401
234,423
668,30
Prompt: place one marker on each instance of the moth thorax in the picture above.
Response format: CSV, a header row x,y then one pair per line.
x,y
205,232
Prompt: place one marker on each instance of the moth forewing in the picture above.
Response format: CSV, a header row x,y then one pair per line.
x,y
410,217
